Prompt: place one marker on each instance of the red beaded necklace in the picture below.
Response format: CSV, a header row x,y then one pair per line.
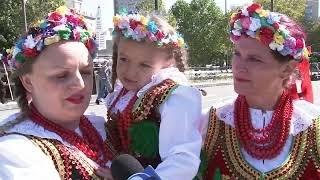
x,y
271,139
124,119
91,144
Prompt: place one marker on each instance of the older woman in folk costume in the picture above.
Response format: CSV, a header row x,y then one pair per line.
x,y
153,112
265,133
50,138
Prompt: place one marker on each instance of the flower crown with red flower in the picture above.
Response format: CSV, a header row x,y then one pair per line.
x,y
61,24
139,28
265,26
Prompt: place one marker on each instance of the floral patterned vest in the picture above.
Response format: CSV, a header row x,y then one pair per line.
x,y
222,158
144,128
68,162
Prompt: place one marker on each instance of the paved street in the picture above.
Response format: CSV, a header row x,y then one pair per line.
x,y
215,95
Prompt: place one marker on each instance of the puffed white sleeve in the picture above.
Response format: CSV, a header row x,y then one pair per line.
x,y
179,137
21,159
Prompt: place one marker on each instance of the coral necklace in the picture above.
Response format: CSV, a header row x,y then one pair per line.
x,y
124,119
91,144
265,143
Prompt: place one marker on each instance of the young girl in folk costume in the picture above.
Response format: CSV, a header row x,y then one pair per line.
x,y
50,138
264,133
153,113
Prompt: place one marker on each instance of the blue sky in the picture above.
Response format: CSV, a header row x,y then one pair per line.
x,y
107,7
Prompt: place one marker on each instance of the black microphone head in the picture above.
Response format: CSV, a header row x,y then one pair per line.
x,y
124,166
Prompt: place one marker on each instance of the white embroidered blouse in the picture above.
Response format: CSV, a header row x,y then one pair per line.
x,y
303,115
21,159
179,139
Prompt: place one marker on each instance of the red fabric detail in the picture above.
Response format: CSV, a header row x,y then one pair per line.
x,y
216,162
311,172
306,86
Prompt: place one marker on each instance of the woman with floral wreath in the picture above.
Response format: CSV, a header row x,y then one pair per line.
x,y
50,138
266,132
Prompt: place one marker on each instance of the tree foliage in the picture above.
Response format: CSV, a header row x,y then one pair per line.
x,y
292,8
148,6
204,27
12,20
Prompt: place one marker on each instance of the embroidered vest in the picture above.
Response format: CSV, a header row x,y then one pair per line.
x,y
144,128
68,162
222,158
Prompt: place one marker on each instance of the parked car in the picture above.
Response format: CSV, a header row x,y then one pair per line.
x,y
314,71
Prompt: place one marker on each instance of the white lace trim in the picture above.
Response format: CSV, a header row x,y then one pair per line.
x,y
28,127
167,73
303,115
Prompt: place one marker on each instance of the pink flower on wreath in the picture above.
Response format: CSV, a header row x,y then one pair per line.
x,y
234,38
299,44
72,19
245,22
56,18
151,36
276,25
266,35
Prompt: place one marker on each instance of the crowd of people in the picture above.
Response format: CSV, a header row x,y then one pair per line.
x,y
269,131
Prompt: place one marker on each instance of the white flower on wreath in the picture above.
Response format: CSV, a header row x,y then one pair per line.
x,y
245,12
273,18
236,32
29,42
255,24
251,34
275,46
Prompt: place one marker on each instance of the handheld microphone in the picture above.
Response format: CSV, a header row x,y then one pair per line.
x,y
126,167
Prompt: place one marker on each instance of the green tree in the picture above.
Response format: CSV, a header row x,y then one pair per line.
x,y
313,39
292,8
148,6
11,18
204,27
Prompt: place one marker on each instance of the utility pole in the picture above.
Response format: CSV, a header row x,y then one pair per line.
x,y
271,5
156,7
225,6
24,14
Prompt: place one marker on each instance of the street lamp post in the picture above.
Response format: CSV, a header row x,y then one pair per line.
x,y
24,14
156,5
271,5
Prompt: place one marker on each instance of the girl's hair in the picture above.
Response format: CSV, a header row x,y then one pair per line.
x,y
20,94
179,54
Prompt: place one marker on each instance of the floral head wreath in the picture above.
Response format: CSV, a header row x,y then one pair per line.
x,y
61,24
266,27
5,55
137,27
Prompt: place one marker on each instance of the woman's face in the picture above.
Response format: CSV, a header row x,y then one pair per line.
x,y
61,81
138,61
255,69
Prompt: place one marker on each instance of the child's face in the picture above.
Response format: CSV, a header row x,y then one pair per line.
x,y
61,80
138,61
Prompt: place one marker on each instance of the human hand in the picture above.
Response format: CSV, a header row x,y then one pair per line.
x,y
105,173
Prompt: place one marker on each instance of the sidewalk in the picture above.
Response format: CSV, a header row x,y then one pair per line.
x,y
13,105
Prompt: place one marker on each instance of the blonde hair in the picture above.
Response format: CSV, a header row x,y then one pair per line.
x,y
179,54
